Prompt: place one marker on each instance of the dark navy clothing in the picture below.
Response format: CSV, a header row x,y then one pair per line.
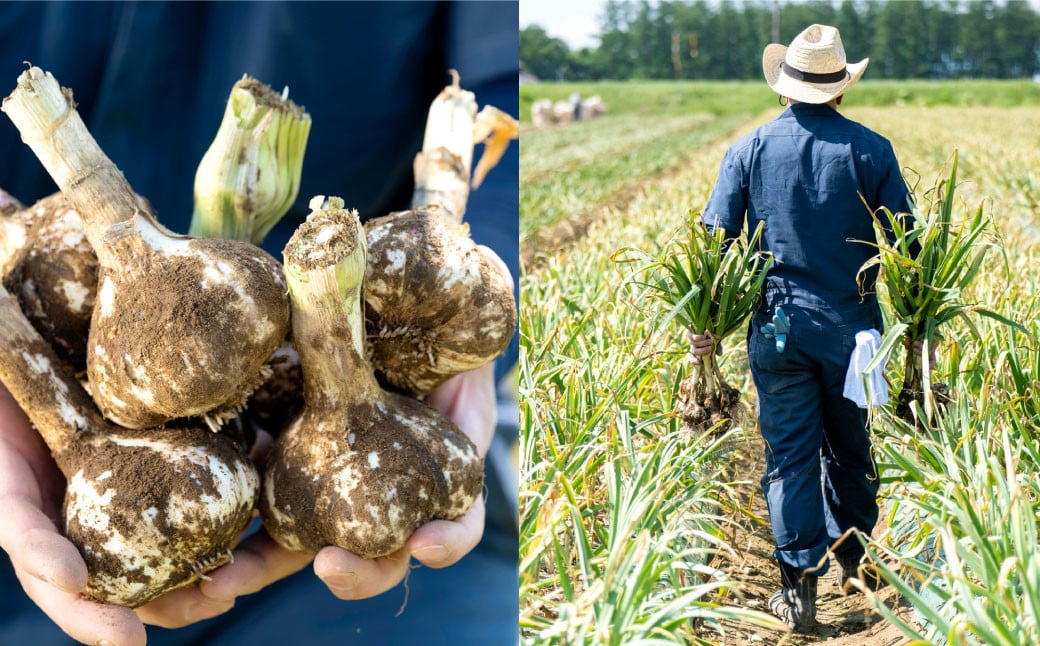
x,y
151,81
812,430
810,176
813,177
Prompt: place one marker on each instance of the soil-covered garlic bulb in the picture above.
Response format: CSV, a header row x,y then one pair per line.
x,y
13,232
359,468
181,326
56,278
438,304
149,510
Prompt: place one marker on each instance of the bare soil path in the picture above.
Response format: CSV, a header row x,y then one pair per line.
x,y
842,620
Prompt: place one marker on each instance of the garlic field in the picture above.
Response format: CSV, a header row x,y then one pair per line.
x,y
629,530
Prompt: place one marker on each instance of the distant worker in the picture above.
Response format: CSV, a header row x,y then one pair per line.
x,y
575,101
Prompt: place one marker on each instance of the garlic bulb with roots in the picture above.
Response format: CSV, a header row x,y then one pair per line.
x,y
149,510
437,303
182,327
360,468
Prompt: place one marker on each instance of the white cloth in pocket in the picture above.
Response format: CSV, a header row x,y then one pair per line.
x,y
874,386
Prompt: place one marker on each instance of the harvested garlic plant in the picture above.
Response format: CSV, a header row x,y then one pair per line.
x,y
245,183
359,467
182,326
149,510
438,304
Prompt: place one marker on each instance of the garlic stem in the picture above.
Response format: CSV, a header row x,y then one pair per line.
x,y
250,175
29,370
46,117
325,263
449,123
442,169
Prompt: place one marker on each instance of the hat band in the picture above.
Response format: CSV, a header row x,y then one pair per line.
x,y
810,77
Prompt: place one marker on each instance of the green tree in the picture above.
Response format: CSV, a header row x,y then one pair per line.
x,y
546,57
723,39
1016,29
901,40
618,56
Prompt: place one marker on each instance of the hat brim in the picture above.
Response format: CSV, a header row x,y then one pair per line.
x,y
781,83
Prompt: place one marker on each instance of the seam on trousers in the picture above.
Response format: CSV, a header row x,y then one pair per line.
x,y
790,476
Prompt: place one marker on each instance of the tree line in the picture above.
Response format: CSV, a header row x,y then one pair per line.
x,y
927,39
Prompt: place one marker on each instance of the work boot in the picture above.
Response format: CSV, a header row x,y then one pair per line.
x,y
850,567
795,602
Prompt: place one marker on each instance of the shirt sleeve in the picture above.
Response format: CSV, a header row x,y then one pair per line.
x,y
727,204
892,192
894,195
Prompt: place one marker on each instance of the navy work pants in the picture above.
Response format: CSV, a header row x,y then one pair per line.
x,y
820,477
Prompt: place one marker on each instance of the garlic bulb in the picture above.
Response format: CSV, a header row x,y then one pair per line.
x,y
359,467
149,510
182,326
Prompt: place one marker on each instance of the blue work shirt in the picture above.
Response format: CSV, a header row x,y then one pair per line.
x,y
810,176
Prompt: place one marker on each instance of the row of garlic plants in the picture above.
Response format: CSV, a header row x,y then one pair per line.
x,y
620,517
570,170
963,492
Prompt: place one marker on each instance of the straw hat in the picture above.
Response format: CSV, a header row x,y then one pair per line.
x,y
813,69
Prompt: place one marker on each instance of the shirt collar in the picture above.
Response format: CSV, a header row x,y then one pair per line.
x,y
809,109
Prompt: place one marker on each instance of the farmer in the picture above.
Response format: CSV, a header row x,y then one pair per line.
x,y
152,80
810,176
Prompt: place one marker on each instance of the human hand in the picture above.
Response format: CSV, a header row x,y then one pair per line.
x,y
702,344
48,566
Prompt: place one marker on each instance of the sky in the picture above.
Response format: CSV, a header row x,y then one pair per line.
x,y
573,21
